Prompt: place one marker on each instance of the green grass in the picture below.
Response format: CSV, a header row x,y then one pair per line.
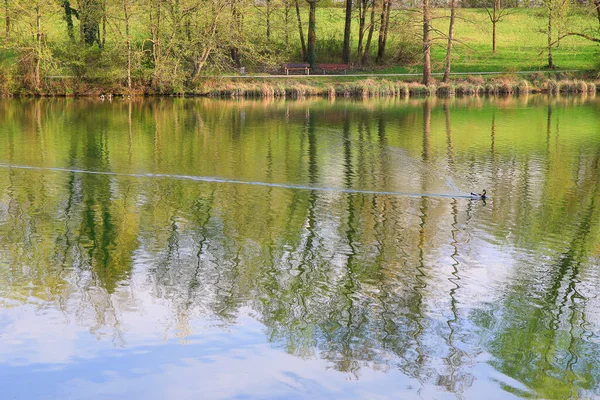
x,y
521,41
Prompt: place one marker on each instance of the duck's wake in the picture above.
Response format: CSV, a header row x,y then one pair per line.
x,y
215,179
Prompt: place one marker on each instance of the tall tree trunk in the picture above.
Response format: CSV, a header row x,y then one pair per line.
x,y
126,14
287,23
450,41
597,5
235,51
7,19
426,43
38,51
90,15
366,54
268,14
104,13
362,10
494,22
383,29
155,19
301,30
550,61
312,33
347,28
69,19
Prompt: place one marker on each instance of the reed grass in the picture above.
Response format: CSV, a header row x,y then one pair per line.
x,y
373,88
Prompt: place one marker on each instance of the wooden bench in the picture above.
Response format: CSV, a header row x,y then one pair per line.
x,y
297,67
334,67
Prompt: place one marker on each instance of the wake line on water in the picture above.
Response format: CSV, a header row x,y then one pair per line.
x,y
213,179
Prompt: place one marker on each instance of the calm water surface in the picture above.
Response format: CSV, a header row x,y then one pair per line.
x,y
188,249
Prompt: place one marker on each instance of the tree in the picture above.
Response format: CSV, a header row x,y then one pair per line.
x,y
268,15
446,77
496,14
69,18
367,52
312,32
347,29
90,14
7,19
155,15
426,43
301,30
126,18
386,6
362,11
32,45
556,12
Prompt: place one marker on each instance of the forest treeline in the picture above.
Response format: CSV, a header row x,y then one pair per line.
x,y
168,45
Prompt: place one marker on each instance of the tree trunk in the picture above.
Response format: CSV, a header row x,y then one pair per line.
x,y
383,30
362,9
7,19
301,30
38,51
347,28
365,58
426,43
494,22
155,33
450,41
550,62
312,33
103,42
126,14
69,19
268,13
235,51
287,23
90,14
597,4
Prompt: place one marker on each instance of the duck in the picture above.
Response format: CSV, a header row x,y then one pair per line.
x,y
481,196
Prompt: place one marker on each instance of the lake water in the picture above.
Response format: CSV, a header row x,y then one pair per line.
x,y
193,248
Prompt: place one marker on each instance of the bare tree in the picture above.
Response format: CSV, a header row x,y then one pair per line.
x,y
426,43
126,19
556,13
496,14
446,77
155,14
386,6
367,53
362,11
301,30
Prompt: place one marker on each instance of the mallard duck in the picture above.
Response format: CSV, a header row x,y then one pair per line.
x,y
479,196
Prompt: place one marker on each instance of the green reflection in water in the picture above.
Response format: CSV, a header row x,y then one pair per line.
x,y
431,286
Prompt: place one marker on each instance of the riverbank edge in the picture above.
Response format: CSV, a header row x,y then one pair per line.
x,y
346,87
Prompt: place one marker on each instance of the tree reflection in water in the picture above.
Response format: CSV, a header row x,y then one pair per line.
x,y
422,285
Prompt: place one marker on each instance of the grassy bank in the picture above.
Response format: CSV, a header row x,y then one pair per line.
x,y
364,88
348,86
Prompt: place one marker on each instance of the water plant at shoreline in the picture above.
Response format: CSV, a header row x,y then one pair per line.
x,y
386,88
